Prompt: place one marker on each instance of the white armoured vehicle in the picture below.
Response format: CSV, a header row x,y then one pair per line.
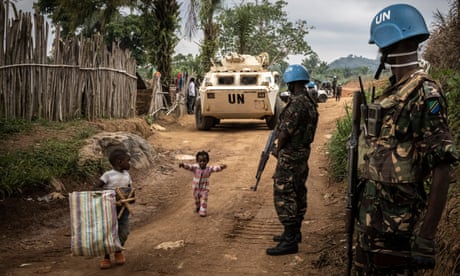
x,y
239,87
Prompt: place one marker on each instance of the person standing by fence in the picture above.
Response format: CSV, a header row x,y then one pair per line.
x,y
191,94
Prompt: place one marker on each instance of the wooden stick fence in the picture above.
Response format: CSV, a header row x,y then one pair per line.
x,y
80,79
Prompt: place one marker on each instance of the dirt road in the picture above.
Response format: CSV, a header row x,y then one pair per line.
x,y
240,224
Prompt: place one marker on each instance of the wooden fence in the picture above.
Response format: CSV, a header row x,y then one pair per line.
x,y
81,78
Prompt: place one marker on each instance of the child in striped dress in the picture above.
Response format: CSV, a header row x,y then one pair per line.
x,y
201,173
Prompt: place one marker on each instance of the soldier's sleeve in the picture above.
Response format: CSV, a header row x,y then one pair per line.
x,y
291,118
437,139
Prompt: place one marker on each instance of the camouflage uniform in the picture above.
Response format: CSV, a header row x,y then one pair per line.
x,y
299,120
413,138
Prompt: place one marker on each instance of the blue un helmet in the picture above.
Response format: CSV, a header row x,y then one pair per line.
x,y
395,23
296,72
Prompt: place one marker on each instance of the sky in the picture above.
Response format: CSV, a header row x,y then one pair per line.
x,y
341,27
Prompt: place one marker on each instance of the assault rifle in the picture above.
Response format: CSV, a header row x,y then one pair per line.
x,y
264,157
352,147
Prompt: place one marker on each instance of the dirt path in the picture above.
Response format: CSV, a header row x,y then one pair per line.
x,y
240,224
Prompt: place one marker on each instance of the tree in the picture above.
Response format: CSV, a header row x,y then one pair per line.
x,y
311,62
82,16
161,20
200,15
255,28
151,36
128,33
187,63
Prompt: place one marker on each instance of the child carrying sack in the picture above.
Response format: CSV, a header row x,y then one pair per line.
x,y
93,222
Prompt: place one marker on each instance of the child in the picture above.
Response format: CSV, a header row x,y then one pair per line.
x,y
118,177
200,183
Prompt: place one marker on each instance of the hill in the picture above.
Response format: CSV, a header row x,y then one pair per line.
x,y
352,61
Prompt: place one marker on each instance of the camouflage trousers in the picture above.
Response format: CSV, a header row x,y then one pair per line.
x,y
387,216
289,189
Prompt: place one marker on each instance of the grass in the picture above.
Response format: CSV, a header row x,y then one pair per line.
x,y
337,148
33,167
8,127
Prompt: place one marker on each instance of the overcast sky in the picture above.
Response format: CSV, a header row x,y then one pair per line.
x,y
341,27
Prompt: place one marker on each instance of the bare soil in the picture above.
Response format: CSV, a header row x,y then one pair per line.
x,y
231,240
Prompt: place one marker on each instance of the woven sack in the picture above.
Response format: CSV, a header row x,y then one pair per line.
x,y
93,222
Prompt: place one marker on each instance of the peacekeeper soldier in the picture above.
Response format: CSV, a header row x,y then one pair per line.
x,y
406,142
296,129
334,86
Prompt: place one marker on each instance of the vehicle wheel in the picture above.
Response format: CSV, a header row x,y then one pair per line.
x,y
271,121
215,121
202,122
322,98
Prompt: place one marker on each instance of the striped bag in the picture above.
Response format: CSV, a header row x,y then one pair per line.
x,y
93,223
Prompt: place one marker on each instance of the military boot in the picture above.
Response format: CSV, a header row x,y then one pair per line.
x,y
288,245
279,238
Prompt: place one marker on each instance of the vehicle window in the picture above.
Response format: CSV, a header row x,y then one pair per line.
x,y
225,80
248,80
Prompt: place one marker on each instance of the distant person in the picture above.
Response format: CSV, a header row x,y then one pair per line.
x,y
407,154
118,178
179,81
338,92
334,86
191,94
201,173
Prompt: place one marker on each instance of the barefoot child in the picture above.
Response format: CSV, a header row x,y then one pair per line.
x,y
118,178
201,172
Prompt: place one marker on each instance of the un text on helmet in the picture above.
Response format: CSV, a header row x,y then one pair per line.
x,y
381,17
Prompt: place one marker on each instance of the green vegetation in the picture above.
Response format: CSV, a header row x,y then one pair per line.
x,y
443,55
453,98
9,127
337,149
33,167
263,27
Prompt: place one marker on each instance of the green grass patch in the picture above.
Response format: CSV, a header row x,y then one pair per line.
x,y
9,127
33,167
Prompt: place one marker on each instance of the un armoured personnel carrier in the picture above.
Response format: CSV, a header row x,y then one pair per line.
x,y
238,87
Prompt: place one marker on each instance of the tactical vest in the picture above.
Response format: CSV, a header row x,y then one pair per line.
x,y
305,133
393,154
